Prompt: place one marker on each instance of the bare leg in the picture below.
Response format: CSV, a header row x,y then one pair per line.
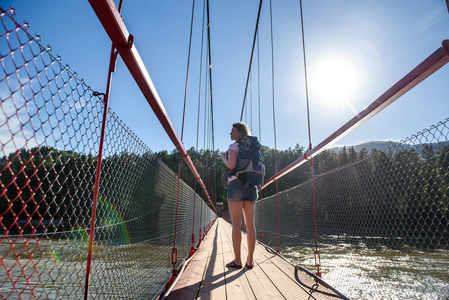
x,y
249,212
235,211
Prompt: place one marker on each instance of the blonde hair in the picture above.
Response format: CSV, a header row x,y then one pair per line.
x,y
242,128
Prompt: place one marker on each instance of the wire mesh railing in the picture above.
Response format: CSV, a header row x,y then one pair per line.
x,y
50,124
382,221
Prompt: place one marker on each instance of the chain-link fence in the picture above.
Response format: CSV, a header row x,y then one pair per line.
x,y
50,124
382,220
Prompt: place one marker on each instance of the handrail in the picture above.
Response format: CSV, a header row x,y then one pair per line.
x,y
112,22
430,65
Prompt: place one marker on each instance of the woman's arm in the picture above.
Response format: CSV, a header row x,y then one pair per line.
x,y
231,159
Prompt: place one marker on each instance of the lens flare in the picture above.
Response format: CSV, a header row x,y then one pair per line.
x,y
111,221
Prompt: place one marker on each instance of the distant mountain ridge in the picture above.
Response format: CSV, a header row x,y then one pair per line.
x,y
379,145
382,145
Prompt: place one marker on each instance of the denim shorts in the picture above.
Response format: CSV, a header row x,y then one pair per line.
x,y
238,192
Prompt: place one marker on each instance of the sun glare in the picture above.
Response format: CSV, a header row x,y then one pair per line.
x,y
334,81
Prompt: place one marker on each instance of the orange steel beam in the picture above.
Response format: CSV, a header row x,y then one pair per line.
x,y
430,65
112,22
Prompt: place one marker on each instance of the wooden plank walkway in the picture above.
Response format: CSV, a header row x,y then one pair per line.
x,y
206,276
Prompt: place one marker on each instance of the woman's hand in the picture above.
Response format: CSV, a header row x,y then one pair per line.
x,y
231,159
224,157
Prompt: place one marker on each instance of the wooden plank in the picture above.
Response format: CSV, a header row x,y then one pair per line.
x,y
289,270
213,284
237,285
280,279
271,278
288,288
189,283
261,285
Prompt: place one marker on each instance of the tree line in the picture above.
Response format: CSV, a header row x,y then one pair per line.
x,y
44,182
399,192
214,173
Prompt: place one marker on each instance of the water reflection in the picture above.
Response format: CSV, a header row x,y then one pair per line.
x,y
56,269
363,272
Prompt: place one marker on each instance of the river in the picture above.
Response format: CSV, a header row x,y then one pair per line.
x,y
359,272
369,273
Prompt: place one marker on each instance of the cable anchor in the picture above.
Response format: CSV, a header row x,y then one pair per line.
x,y
120,50
174,255
316,253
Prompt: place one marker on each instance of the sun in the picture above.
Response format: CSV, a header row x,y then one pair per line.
x,y
334,81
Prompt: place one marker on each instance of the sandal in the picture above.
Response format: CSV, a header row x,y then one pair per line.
x,y
248,266
233,265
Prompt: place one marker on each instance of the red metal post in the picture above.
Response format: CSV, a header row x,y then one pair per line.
x,y
200,237
261,216
110,18
112,60
97,177
174,249
318,273
278,250
192,248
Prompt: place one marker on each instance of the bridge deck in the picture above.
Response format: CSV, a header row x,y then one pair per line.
x,y
206,276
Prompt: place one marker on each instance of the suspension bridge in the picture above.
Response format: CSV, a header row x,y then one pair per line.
x,y
88,211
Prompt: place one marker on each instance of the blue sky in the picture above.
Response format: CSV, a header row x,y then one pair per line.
x,y
377,42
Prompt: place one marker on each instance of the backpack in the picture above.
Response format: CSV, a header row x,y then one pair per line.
x,y
250,167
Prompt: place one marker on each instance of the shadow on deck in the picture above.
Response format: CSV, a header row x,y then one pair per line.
x,y
207,277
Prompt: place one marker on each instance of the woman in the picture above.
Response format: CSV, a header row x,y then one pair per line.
x,y
241,197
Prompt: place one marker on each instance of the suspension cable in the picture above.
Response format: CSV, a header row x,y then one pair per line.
x,y
187,72
211,101
316,252
272,87
206,138
210,76
305,73
198,129
258,82
251,59
260,134
249,108
174,249
274,125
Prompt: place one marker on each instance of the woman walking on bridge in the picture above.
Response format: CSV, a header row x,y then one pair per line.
x,y
241,197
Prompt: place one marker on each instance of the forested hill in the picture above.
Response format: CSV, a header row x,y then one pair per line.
x,y
215,173
21,170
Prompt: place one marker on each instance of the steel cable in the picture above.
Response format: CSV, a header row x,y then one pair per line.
x,y
317,253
